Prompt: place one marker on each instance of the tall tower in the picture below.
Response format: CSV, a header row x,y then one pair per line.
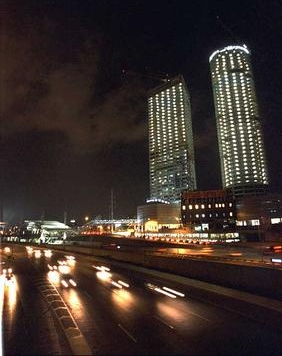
x,y
171,149
241,146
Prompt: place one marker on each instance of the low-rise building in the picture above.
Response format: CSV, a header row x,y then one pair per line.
x,y
157,216
209,210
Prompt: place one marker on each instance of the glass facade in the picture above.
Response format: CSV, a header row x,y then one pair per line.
x,y
171,148
241,146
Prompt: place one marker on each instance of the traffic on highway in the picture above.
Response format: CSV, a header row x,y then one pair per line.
x,y
50,299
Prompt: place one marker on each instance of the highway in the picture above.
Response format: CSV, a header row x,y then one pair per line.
x,y
235,252
121,311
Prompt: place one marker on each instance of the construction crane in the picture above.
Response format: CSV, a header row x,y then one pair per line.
x,y
163,79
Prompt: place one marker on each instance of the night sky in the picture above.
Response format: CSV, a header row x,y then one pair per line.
x,y
74,126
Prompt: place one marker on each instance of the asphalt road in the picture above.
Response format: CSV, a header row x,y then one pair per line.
x,y
28,326
134,320
245,252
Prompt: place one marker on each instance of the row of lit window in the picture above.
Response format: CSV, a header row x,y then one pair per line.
x,y
203,206
197,216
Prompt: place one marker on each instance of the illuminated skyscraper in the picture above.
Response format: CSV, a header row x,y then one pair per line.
x,y
171,148
241,146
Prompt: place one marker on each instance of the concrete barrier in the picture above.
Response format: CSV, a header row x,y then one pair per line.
x,y
265,281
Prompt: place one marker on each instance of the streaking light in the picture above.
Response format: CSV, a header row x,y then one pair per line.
x,y
64,283
47,253
104,275
276,260
105,268
116,284
72,282
7,250
101,268
157,289
37,253
64,269
174,291
54,277
29,249
123,283
69,257
71,260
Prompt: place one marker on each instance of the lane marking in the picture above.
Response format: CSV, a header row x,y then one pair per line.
x,y
199,316
127,333
162,321
87,294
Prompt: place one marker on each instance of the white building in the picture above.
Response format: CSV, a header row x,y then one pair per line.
x,y
171,148
241,146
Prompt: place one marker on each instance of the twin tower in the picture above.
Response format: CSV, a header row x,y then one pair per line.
x,y
239,129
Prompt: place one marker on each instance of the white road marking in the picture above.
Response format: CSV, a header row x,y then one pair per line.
x,y
87,294
199,316
127,333
162,321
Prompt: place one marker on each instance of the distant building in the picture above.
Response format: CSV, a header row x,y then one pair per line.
x,y
255,218
209,210
240,137
266,207
44,231
171,148
155,217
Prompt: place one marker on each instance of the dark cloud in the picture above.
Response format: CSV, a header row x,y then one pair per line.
x,y
42,92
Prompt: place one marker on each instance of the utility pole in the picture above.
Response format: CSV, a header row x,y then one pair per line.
x,y
43,216
65,217
112,210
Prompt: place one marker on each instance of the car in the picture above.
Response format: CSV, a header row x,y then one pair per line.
x,y
67,280
70,260
47,253
8,275
271,250
37,253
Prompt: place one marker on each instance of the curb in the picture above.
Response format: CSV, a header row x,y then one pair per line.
x,y
76,340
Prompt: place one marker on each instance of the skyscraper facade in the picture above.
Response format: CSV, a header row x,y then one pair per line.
x,y
240,139
171,148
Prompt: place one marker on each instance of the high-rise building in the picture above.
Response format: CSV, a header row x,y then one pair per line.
x,y
240,139
171,148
